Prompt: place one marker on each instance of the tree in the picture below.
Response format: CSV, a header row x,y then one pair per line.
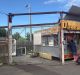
x,y
22,39
28,36
16,36
3,32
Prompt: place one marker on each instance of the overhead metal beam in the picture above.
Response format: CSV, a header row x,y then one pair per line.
x,y
28,25
44,13
36,13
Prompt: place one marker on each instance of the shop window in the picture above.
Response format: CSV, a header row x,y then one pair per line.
x,y
47,41
50,41
44,41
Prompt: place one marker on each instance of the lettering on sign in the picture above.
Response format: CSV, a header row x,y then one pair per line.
x,y
70,25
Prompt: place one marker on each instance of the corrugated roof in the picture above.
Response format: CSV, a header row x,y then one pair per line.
x,y
75,10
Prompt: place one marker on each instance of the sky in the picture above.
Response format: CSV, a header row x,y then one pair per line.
x,y
19,6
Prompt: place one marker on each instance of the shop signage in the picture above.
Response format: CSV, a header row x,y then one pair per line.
x,y
70,25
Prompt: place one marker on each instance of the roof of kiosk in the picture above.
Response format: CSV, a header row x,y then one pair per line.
x,y
74,10
49,31
72,22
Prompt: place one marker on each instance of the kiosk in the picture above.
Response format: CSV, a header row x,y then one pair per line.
x,y
52,42
70,28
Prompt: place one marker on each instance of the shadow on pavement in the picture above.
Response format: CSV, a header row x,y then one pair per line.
x,y
36,70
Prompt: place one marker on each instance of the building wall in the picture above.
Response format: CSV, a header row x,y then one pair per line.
x,y
54,51
37,38
49,49
3,50
4,46
37,48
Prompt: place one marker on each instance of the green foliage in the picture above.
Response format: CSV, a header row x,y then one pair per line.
x,y
3,32
16,36
28,36
22,38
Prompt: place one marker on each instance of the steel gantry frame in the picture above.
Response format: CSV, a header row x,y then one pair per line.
x,y
11,15
33,25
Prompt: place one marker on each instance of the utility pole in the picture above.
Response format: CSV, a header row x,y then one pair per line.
x,y
29,7
10,37
30,21
62,39
30,24
31,41
25,32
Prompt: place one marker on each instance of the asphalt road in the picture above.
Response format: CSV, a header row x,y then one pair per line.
x,y
39,66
